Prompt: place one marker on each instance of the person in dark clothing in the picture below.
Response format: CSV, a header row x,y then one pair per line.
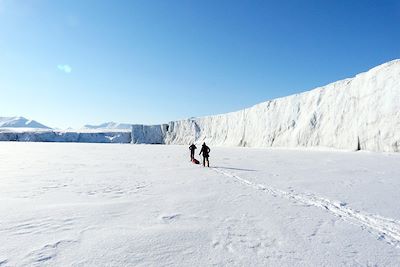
x,y
206,154
192,148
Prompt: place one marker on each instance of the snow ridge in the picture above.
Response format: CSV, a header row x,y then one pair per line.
x,y
386,229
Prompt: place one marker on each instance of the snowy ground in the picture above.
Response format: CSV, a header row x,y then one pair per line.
x,y
147,205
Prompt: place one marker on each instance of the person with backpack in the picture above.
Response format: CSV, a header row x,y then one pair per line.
x,y
192,148
206,154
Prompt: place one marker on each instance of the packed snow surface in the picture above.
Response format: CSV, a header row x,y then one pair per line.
x,y
20,122
147,205
361,113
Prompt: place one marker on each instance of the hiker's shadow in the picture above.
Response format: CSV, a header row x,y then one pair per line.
x,y
236,169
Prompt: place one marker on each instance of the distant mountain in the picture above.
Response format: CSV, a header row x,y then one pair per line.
x,y
20,122
110,125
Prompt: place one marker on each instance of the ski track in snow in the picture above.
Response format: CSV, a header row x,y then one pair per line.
x,y
386,229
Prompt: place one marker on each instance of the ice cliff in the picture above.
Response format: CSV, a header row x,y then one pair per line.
x,y
360,113
95,136
148,134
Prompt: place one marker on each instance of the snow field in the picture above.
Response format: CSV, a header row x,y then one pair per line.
x,y
142,205
387,229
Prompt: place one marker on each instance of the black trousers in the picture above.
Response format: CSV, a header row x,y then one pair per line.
x,y
205,159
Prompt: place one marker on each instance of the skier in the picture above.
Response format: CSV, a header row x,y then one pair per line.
x,y
206,154
192,148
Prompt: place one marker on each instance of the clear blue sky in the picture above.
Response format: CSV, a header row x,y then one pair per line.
x,y
68,63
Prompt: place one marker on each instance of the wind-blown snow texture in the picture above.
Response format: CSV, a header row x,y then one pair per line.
x,y
352,114
147,205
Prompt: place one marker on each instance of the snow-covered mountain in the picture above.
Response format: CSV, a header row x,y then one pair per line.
x,y
109,125
20,122
360,113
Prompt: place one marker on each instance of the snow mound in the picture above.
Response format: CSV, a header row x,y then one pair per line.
x,y
109,125
360,113
20,122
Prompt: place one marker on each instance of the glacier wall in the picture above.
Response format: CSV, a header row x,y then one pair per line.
x,y
360,113
148,134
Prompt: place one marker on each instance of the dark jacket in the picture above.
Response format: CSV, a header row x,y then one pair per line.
x,y
192,147
205,150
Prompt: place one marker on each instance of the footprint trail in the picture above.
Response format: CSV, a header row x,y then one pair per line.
x,y
386,229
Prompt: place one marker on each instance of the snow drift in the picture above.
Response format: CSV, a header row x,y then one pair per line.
x,y
360,113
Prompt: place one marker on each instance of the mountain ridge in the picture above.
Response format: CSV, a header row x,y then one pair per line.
x,y
20,122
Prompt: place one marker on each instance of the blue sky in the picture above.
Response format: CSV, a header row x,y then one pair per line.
x,y
68,63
